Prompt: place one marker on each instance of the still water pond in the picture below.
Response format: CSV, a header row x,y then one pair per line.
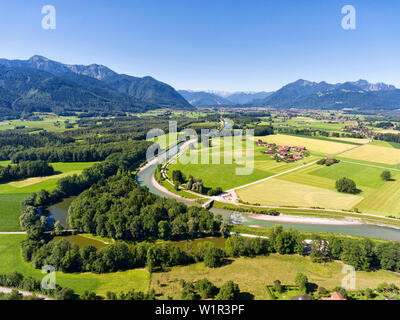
x,y
82,241
59,211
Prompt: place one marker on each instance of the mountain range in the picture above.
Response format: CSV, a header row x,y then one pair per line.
x,y
41,84
221,98
303,94
361,95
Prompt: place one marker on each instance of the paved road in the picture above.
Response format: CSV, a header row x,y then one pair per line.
x,y
246,235
369,165
24,293
16,232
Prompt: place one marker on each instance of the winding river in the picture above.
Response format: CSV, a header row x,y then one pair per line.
x,y
145,178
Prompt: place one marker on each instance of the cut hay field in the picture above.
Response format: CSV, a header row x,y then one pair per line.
x,y
375,153
11,261
314,186
384,201
317,146
277,192
13,193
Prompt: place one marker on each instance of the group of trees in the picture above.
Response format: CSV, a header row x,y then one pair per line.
x,y
14,141
74,152
389,137
346,185
69,258
195,184
18,281
192,184
363,254
386,175
263,130
327,161
26,169
131,295
93,140
205,289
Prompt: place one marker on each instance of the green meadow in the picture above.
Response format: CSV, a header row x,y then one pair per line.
x,y
13,193
386,144
49,122
10,211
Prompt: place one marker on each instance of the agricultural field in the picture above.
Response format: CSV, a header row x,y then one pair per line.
x,y
314,186
49,122
374,153
13,193
316,146
310,123
276,192
386,144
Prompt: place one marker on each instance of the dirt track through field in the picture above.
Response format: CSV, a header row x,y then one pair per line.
x,y
274,176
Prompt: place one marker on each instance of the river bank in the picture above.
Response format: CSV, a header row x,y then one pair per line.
x,y
306,220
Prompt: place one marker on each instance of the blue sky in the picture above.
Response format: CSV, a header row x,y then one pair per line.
x,y
213,44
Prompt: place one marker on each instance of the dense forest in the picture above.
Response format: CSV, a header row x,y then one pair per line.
x,y
93,140
26,169
389,137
